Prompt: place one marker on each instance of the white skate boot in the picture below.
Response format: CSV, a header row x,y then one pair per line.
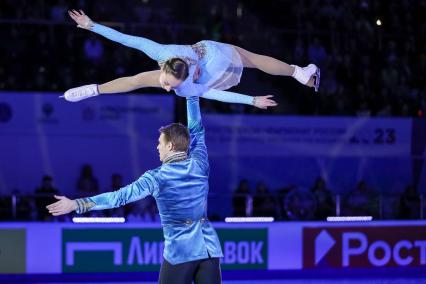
x,y
81,93
304,74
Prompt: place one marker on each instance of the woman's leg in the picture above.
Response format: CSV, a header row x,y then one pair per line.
x,y
127,84
120,85
208,272
265,63
274,66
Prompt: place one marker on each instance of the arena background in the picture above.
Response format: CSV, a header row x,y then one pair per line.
x,y
354,149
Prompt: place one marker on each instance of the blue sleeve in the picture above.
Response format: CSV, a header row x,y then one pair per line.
x,y
151,48
147,184
197,147
190,89
227,97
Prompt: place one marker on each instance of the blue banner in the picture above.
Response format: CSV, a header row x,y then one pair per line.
x,y
253,135
287,151
42,134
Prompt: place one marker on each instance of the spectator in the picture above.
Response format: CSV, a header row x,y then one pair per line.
x,y
116,184
5,208
43,197
58,11
93,49
242,200
263,202
361,202
87,184
300,204
24,206
316,52
409,203
324,199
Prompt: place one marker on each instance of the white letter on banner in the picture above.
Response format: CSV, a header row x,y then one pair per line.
x,y
372,256
347,251
230,252
243,252
135,249
396,252
422,246
256,252
115,247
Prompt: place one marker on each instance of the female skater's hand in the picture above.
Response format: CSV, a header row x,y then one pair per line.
x,y
82,20
63,206
264,102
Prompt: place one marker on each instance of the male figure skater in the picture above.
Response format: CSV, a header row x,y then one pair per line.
x,y
180,187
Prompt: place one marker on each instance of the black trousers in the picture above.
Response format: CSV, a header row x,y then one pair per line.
x,y
203,271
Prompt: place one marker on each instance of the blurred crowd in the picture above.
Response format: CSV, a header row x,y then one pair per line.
x,y
290,203
372,53
318,202
31,206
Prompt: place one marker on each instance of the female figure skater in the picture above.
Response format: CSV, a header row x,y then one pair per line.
x,y
214,65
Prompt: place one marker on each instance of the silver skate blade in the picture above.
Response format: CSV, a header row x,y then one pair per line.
x,y
317,79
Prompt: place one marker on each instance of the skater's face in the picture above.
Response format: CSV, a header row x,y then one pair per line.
x,y
168,81
164,147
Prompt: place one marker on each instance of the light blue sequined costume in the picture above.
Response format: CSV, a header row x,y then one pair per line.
x,y
220,64
180,190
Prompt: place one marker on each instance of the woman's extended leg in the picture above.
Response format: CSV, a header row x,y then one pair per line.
x,y
127,84
274,66
265,63
120,85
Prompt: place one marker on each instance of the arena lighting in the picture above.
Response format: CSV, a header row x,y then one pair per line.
x,y
98,219
349,218
249,219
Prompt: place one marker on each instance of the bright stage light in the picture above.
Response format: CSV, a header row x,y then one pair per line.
x,y
349,218
249,219
98,219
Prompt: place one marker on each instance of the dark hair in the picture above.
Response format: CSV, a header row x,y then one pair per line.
x,y
177,67
178,135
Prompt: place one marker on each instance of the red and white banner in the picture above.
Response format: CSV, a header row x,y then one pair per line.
x,y
339,247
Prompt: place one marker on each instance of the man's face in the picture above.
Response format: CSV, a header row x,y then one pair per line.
x,y
164,148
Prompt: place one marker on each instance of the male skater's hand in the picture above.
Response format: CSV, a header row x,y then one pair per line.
x,y
264,102
61,207
82,20
197,73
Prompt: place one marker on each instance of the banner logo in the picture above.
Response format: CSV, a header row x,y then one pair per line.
x,y
364,246
110,250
